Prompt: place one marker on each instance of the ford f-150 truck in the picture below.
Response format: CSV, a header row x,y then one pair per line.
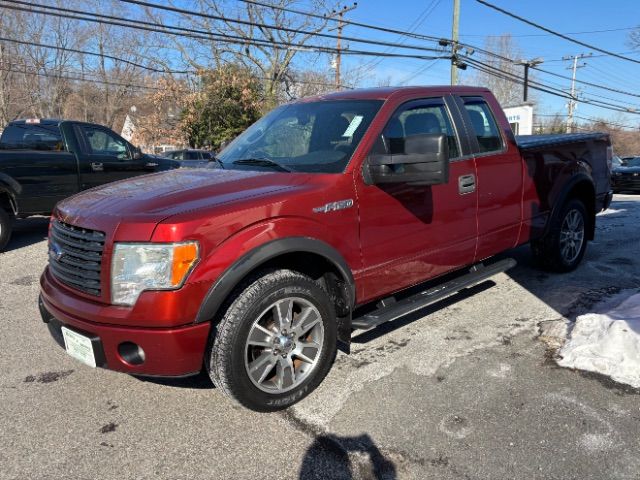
x,y
43,161
315,223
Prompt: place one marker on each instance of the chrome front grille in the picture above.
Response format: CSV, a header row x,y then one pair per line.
x,y
75,256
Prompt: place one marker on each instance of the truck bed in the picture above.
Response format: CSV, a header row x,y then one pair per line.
x,y
531,142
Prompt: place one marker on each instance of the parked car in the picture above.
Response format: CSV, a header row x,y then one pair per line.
x,y
616,161
43,161
324,214
626,177
192,158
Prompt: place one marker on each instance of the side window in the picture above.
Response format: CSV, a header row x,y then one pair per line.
x,y
417,118
192,155
484,124
32,137
102,142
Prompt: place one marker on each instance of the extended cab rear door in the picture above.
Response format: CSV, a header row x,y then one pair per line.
x,y
410,233
499,174
106,157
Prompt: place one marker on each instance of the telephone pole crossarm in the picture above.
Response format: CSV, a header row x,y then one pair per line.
x,y
528,64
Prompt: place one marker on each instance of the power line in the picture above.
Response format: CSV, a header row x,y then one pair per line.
x,y
613,124
84,52
467,45
367,67
80,79
557,34
494,71
591,84
262,42
588,119
274,27
346,22
140,25
65,76
584,82
418,72
628,52
564,33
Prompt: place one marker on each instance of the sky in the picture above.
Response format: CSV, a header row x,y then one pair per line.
x,y
478,21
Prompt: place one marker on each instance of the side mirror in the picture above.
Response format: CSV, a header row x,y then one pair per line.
x,y
137,153
425,162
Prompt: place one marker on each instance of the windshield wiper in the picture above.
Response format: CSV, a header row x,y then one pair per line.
x,y
262,162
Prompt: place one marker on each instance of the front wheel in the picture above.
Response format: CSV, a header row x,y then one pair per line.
x,y
275,343
563,247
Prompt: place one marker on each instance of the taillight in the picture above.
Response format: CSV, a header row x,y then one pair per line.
x,y
609,158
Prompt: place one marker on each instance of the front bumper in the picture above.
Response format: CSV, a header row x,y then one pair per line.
x,y
626,182
170,352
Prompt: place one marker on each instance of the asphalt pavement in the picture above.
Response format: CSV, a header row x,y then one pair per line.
x,y
466,389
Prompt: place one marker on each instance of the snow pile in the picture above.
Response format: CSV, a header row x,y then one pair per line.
x,y
610,211
607,343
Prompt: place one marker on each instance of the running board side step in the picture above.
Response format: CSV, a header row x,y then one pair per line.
x,y
393,310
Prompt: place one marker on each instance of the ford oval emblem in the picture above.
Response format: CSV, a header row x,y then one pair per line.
x,y
55,251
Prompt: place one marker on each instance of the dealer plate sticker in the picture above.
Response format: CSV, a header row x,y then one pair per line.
x,y
79,347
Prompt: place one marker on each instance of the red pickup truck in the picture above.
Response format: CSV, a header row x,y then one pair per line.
x,y
313,223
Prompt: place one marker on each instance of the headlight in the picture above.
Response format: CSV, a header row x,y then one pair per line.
x,y
136,267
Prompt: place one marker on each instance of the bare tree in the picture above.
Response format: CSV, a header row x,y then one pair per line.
x,y
270,52
508,91
626,142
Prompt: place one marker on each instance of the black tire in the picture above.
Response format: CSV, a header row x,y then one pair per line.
x,y
549,252
227,362
6,226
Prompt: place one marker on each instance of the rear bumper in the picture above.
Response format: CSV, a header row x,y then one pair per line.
x,y
168,352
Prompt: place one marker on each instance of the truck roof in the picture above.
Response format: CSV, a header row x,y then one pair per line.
x,y
384,93
38,121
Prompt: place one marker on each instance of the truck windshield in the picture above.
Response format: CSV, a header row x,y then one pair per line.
x,y
311,137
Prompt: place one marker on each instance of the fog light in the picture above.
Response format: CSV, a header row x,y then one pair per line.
x,y
131,353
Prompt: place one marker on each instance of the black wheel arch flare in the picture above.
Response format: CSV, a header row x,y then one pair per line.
x,y
252,260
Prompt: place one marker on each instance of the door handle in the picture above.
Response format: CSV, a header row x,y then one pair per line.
x,y
97,166
466,184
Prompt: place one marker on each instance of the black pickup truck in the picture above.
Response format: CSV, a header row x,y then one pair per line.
x,y
44,161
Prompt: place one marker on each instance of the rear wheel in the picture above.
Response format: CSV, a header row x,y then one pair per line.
x,y
275,343
564,245
6,226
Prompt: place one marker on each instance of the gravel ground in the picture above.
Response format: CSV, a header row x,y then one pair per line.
x,y
464,389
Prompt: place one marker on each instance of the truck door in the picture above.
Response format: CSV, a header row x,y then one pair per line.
x,y
106,157
410,233
499,182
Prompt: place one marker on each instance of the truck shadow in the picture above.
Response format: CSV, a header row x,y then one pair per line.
x,y
344,458
27,232
201,381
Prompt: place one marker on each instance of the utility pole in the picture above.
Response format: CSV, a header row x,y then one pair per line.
x,y
527,64
573,101
454,42
340,13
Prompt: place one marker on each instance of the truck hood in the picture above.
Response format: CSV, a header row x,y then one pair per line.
x,y
153,198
